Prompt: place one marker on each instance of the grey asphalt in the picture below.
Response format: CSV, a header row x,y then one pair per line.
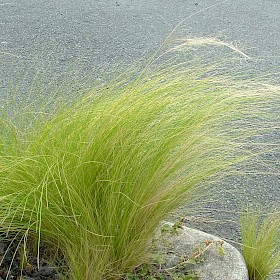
x,y
114,33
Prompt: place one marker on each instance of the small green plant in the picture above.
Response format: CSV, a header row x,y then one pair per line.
x,y
261,243
185,267
198,254
172,229
154,271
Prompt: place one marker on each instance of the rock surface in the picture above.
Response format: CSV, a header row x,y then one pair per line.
x,y
212,258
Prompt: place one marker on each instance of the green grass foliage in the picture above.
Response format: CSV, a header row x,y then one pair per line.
x,y
93,178
261,243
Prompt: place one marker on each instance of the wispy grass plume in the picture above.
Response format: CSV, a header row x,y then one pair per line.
x,y
261,243
94,178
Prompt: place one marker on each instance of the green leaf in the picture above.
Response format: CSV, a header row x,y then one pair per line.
x,y
165,228
190,261
221,250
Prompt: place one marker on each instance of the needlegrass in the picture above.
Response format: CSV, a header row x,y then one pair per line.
x,y
94,177
260,242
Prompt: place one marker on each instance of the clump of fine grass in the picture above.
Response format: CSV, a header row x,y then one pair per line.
x,y
93,179
260,243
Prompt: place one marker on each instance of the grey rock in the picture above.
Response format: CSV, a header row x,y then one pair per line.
x,y
184,242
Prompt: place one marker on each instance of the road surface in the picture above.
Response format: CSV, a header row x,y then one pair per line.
x,y
112,34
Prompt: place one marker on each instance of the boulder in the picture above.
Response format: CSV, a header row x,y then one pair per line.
x,y
208,255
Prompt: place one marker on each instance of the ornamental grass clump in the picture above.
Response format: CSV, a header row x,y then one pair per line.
x,y
261,243
93,178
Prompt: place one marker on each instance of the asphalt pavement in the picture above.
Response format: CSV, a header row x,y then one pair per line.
x,y
112,34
